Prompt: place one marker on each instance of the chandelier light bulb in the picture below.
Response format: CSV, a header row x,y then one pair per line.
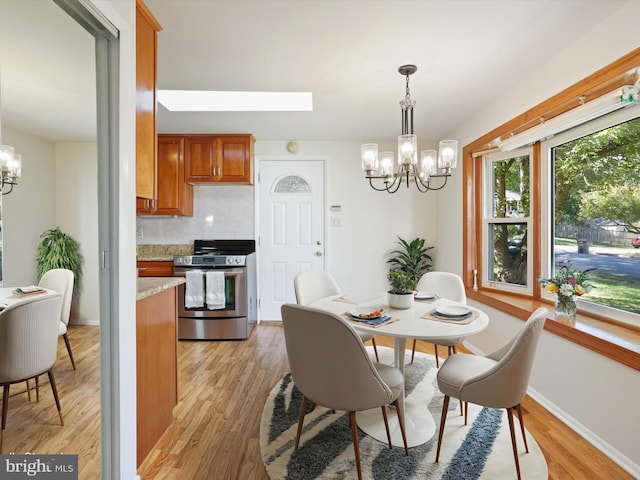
x,y
407,150
386,164
369,155
448,154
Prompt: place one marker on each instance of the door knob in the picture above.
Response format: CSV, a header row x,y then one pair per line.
x,y
318,242
318,253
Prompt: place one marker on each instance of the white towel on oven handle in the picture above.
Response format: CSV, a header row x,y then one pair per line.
x,y
194,289
215,294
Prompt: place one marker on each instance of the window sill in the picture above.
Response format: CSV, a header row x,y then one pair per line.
x,y
618,342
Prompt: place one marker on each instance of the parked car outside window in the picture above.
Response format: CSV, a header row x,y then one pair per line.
x,y
635,243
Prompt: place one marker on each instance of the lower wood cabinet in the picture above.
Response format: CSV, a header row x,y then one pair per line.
x,y
155,268
156,367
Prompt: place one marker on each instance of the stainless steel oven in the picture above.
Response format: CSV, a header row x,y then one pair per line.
x,y
236,260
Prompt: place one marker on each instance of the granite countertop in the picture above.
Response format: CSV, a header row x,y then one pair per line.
x,y
148,286
157,252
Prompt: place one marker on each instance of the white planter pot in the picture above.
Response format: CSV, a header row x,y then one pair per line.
x,y
402,301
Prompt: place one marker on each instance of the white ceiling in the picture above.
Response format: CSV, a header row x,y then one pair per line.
x,y
346,52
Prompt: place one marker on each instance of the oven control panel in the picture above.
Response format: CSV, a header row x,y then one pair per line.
x,y
211,261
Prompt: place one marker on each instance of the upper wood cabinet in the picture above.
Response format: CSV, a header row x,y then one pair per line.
x,y
175,196
147,28
219,158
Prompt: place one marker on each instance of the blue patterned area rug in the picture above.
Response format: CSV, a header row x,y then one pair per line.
x,y
480,450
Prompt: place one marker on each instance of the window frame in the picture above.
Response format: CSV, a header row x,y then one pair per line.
x,y
546,221
620,343
488,219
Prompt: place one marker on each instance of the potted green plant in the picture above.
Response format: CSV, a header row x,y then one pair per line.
x,y
412,258
59,250
401,291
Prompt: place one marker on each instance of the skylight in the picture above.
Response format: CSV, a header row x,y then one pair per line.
x,y
209,101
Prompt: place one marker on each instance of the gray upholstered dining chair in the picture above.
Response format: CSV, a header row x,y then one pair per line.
x,y
29,346
342,377
61,280
497,380
316,284
445,285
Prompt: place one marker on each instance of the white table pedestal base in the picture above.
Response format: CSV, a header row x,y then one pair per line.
x,y
419,424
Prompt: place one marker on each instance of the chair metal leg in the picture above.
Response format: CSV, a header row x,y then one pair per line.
x,y
400,413
524,437
375,349
66,342
37,388
413,350
28,390
356,447
303,412
466,412
52,382
5,405
435,347
443,419
513,440
386,424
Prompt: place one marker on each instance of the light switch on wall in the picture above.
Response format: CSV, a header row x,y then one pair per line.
x,y
336,221
139,232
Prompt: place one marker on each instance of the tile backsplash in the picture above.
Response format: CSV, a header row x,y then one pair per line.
x,y
219,212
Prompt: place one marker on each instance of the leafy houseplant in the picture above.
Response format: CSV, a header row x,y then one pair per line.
x,y
58,250
401,291
412,258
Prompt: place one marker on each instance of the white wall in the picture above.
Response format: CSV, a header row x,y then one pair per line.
x,y
573,382
30,209
57,189
77,215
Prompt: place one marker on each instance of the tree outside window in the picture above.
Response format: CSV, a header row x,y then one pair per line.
x,y
596,203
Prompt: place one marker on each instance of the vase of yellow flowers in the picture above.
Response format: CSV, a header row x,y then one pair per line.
x,y
567,285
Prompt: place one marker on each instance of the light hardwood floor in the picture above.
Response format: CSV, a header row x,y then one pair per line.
x,y
215,434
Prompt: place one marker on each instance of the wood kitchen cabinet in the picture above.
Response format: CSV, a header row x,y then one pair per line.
x,y
175,196
156,367
147,28
221,158
155,268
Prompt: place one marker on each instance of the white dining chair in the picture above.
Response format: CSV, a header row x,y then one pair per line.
x,y
342,377
28,346
445,285
497,380
61,280
316,284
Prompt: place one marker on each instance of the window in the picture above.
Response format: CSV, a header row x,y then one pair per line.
x,y
507,220
591,210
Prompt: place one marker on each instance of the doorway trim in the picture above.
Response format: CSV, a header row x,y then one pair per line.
x,y
115,73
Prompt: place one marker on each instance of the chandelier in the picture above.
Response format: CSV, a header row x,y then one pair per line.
x,y
10,168
379,168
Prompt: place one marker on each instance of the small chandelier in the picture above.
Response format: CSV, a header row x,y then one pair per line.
x,y
10,168
380,167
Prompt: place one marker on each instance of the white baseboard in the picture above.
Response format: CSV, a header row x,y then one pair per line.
x,y
580,429
631,467
85,321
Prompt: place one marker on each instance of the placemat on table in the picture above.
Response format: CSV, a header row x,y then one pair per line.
x,y
426,300
466,321
344,300
348,317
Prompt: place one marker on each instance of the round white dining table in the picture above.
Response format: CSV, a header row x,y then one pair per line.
x,y
8,298
419,423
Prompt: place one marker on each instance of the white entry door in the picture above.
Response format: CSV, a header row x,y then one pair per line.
x,y
290,228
